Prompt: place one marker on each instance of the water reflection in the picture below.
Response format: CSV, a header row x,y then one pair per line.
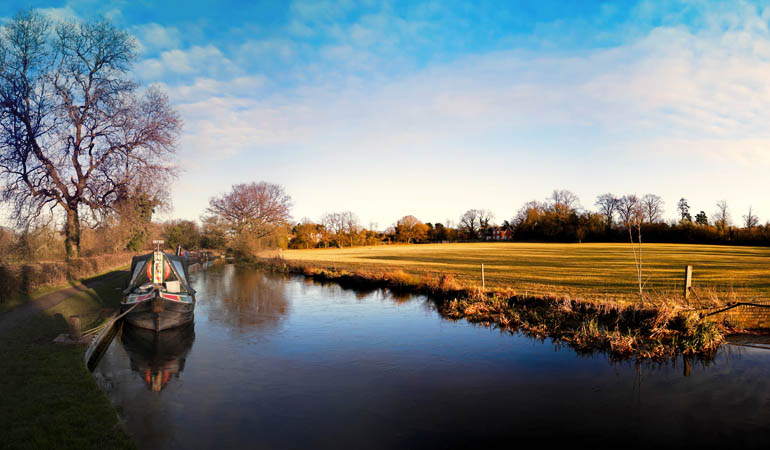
x,y
285,362
245,299
157,357
364,293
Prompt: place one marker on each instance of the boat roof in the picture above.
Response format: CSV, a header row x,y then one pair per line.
x,y
178,265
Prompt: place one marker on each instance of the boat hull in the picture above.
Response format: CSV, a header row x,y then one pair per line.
x,y
158,313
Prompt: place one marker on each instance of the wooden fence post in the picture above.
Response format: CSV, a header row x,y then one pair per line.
x,y
74,323
687,283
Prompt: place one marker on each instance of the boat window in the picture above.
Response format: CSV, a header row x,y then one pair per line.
x,y
179,268
176,277
140,274
137,270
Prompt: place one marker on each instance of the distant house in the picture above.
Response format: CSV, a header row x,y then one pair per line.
x,y
497,233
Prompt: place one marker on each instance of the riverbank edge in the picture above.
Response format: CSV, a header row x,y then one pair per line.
x,y
621,330
50,399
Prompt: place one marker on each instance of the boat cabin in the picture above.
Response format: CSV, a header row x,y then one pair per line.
x,y
158,271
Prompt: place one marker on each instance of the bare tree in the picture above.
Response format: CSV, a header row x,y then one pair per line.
x,y
74,130
469,223
333,222
562,198
256,209
628,207
684,211
722,216
608,205
475,220
352,225
750,219
343,225
632,214
653,207
485,218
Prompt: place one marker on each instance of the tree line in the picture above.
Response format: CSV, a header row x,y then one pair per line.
x,y
559,218
255,216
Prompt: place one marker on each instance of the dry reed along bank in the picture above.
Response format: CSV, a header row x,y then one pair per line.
x,y
579,294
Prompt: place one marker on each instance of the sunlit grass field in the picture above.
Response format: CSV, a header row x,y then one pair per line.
x,y
588,271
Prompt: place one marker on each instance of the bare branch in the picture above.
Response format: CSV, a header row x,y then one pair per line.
x,y
256,208
73,129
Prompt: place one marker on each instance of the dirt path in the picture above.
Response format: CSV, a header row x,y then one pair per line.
x,y
12,318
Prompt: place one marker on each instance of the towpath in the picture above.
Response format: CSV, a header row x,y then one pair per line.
x,y
19,314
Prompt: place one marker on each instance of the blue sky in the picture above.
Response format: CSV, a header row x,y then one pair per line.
x,y
432,108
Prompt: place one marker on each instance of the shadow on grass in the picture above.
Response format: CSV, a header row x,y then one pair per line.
x,y
49,399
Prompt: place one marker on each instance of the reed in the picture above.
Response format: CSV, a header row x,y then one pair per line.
x,y
621,329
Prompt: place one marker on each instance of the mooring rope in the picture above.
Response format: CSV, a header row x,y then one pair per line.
x,y
105,324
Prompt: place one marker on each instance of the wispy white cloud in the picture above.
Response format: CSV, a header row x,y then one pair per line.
x,y
64,13
76,10
207,60
206,88
671,84
350,97
299,29
260,49
153,36
670,96
323,10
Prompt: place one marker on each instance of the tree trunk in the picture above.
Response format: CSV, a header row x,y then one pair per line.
x,y
72,233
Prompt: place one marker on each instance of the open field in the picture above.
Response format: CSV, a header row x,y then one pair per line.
x,y
587,271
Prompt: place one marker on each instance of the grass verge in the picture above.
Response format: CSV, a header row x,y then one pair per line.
x,y
593,271
20,299
654,330
49,399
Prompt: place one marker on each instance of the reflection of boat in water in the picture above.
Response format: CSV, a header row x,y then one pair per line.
x,y
158,295
158,356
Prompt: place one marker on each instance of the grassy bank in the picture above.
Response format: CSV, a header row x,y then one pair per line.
x,y
20,283
49,399
592,272
660,327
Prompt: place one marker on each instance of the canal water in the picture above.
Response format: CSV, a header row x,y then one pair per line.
x,y
277,361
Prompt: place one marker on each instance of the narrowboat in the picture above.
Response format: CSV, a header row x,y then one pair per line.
x,y
158,295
